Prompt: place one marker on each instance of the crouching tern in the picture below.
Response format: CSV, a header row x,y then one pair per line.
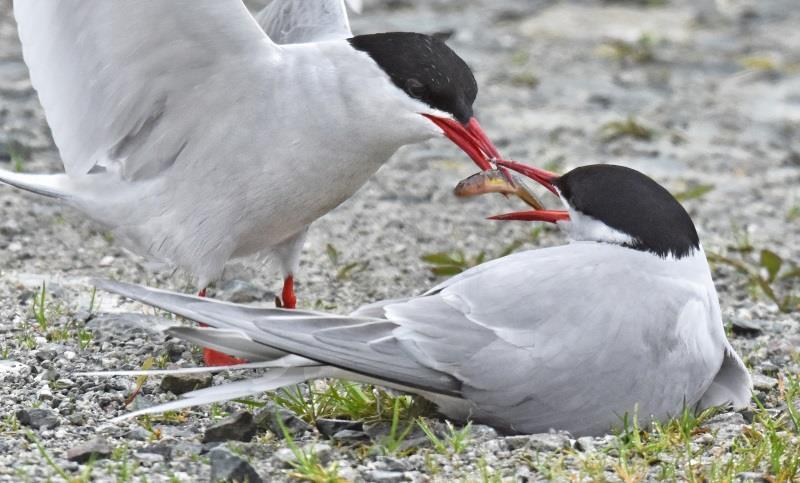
x,y
623,320
198,133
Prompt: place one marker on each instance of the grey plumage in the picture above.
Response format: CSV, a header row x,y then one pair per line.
x,y
536,340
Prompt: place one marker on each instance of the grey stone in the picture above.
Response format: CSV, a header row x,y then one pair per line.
x,y
379,432
175,350
182,383
227,467
285,456
164,450
380,476
10,228
727,426
188,448
481,432
268,418
97,449
764,383
392,464
539,442
322,452
769,369
13,368
724,419
138,434
752,477
49,375
585,444
329,427
238,427
38,418
149,458
123,326
77,419
744,327
346,435
46,355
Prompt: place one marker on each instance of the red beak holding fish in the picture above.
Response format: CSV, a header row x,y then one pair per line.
x,y
495,181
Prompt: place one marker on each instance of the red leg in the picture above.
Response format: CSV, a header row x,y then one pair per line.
x,y
288,298
214,358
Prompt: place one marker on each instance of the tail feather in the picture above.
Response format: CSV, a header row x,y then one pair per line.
x,y
356,5
215,313
231,342
270,382
290,361
50,185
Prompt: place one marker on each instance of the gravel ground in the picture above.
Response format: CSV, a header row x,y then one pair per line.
x,y
713,98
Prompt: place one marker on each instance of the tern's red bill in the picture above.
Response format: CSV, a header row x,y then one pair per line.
x,y
470,138
550,216
543,177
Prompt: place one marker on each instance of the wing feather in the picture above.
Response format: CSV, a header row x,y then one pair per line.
x,y
128,84
302,21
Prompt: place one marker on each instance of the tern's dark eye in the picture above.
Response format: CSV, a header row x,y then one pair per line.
x,y
415,88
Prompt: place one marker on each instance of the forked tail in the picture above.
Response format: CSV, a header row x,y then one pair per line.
x,y
50,185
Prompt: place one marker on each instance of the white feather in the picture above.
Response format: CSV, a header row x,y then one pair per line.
x,y
289,361
269,382
301,21
151,101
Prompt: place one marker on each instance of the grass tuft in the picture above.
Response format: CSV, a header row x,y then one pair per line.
x,y
694,192
306,466
344,270
766,275
629,128
640,51
340,399
455,441
445,264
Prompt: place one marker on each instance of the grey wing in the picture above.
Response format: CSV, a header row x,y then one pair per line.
x,y
550,337
129,85
556,337
302,21
366,346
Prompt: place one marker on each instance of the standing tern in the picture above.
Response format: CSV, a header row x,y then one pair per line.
x,y
623,320
198,134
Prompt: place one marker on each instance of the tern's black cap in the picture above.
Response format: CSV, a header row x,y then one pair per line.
x,y
630,202
425,68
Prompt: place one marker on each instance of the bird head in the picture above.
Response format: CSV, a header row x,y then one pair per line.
x,y
613,204
435,84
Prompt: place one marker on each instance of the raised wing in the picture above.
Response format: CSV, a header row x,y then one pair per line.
x,y
130,85
302,21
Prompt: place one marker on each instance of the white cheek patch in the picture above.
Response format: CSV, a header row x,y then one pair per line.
x,y
581,227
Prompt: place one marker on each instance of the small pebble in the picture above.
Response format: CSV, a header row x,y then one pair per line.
x,y
238,427
227,467
97,449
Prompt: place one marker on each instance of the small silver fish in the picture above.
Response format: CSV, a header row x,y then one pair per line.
x,y
495,181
